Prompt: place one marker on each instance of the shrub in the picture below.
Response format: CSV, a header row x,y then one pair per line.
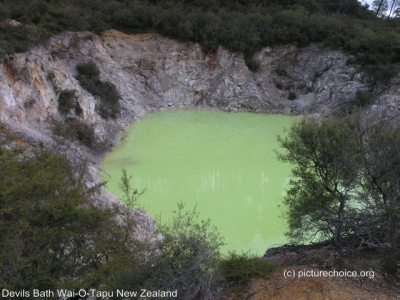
x,y
381,74
188,257
253,65
66,101
52,235
83,132
51,76
389,262
240,268
88,69
75,130
292,96
362,98
89,77
281,72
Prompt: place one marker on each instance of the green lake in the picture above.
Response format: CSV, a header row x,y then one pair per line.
x,y
223,162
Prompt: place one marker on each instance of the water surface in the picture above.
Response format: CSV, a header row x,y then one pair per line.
x,y
223,162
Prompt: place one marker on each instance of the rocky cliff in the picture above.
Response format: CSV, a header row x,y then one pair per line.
x,y
152,72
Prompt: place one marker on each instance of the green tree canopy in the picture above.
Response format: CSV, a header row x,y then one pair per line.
x,y
51,233
345,179
54,237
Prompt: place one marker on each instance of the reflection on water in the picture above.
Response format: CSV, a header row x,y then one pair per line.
x,y
222,162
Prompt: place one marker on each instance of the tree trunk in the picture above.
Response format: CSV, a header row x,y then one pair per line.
x,y
339,226
379,8
394,4
394,232
340,6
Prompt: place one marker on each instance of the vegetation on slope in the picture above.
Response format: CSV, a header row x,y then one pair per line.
x,y
89,77
54,237
346,180
240,26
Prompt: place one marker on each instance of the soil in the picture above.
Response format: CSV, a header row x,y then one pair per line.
x,y
289,282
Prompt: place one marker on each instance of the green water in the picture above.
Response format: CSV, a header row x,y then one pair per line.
x,y
224,162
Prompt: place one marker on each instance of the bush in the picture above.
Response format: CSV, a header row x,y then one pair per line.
x,y
253,65
88,69
281,72
240,268
66,101
292,96
389,262
362,98
188,257
89,77
75,130
52,235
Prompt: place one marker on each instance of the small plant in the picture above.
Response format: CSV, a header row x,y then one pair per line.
x,y
29,103
88,69
240,268
66,101
292,96
89,77
281,72
51,76
130,194
279,85
362,98
389,263
253,65
75,130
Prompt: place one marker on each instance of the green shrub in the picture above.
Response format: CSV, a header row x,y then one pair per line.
x,y
292,96
381,74
279,85
389,262
89,69
66,101
253,65
75,130
52,235
362,98
51,76
83,132
281,71
89,77
240,268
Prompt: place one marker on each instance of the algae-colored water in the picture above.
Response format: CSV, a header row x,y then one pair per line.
x,y
223,162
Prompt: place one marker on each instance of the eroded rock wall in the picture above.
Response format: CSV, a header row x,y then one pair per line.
x,y
152,73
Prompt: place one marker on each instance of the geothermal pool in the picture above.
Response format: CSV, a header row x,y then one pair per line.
x,y
223,162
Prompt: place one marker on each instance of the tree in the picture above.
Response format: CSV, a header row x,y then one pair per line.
x,y
380,7
322,178
52,236
189,255
394,6
346,179
378,141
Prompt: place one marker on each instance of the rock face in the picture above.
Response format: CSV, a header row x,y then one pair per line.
x,y
152,73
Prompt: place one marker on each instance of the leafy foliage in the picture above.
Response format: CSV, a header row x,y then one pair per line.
x,y
345,182
240,268
52,234
89,77
75,130
66,102
130,194
240,26
189,255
